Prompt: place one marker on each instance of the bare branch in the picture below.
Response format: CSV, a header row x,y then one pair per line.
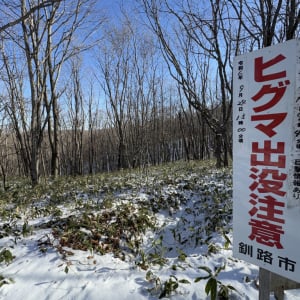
x,y
27,14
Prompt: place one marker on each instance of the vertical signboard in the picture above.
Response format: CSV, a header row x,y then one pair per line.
x,y
266,158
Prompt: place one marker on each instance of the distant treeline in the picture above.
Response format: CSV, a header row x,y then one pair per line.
x,y
82,91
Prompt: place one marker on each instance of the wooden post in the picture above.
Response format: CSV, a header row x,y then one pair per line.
x,y
271,282
264,284
278,284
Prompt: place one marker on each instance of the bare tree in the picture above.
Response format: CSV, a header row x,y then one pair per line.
x,y
64,23
45,37
291,19
267,22
16,105
93,115
144,77
5,151
114,64
199,32
25,16
77,120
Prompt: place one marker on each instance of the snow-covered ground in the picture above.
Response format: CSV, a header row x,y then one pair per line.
x,y
146,234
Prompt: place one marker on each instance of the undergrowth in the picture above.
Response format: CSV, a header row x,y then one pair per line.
x,y
112,213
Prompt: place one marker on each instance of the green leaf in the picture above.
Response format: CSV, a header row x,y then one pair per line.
x,y
66,270
163,294
208,286
185,281
149,275
207,269
4,281
219,269
211,288
223,291
182,256
232,288
200,278
6,256
228,242
174,286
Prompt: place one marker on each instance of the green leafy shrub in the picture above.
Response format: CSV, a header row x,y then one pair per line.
x,y
4,280
164,289
116,230
215,287
6,256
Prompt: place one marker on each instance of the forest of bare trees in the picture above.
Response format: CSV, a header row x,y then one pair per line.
x,y
83,91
